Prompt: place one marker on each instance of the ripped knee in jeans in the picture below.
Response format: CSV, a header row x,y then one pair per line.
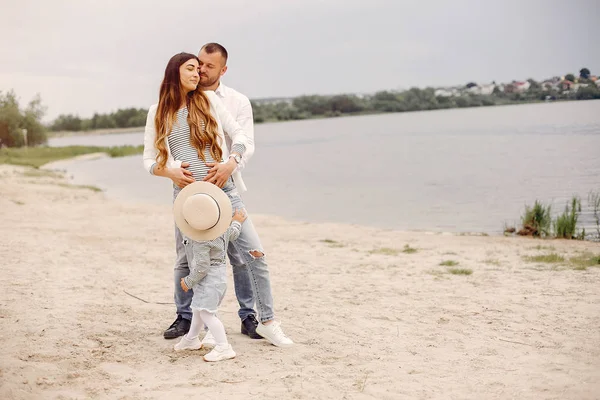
x,y
256,253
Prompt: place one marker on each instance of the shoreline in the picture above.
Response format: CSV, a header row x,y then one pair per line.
x,y
374,313
110,131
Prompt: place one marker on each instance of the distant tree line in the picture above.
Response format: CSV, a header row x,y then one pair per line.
x,y
21,126
123,118
416,99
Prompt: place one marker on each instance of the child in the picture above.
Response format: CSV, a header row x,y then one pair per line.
x,y
208,280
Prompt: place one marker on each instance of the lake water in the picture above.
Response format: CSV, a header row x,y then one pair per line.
x,y
460,170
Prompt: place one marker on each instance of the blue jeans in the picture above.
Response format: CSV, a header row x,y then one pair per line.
x,y
250,274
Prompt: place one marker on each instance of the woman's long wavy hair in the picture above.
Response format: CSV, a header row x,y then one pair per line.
x,y
172,96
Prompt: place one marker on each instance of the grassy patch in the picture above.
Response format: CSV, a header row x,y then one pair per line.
x,y
387,251
550,258
437,274
582,262
491,261
332,243
449,263
536,221
409,250
460,271
40,173
123,151
540,247
38,156
565,225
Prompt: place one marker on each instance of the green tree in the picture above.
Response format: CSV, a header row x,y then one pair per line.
x,y
32,117
534,85
346,104
386,102
66,123
10,121
313,105
570,77
14,122
588,93
461,102
105,121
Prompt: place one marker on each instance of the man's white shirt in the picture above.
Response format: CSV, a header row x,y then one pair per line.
x,y
240,109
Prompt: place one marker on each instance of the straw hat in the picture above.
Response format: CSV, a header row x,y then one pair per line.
x,y
202,211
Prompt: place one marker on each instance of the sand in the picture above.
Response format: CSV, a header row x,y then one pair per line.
x,y
369,321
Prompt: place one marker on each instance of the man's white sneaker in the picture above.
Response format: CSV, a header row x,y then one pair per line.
x,y
274,334
188,344
209,340
219,353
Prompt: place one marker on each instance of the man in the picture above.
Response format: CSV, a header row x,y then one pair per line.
x,y
250,271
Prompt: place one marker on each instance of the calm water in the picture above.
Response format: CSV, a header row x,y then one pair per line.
x,y
451,170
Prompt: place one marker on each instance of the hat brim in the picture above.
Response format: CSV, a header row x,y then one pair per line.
x,y
225,211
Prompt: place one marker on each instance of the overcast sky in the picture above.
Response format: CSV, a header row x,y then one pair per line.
x,y
86,56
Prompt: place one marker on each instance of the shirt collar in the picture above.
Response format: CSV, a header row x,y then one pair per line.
x,y
221,90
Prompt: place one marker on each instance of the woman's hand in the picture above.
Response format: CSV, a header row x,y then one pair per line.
x,y
180,176
220,172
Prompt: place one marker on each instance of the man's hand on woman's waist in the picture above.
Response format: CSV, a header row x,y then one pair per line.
x,y
220,172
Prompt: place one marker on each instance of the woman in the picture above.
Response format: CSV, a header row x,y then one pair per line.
x,y
185,116
184,138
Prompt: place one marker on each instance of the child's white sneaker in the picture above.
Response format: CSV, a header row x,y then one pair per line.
x,y
274,334
219,353
208,340
188,344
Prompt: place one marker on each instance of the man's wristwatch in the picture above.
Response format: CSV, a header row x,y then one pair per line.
x,y
236,157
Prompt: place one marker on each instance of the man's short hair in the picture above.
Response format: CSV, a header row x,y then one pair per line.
x,y
215,48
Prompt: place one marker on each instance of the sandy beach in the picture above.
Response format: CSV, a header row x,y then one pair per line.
x,y
87,292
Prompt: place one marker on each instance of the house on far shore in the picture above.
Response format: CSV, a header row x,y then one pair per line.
x,y
443,93
523,86
481,89
487,89
447,92
575,87
566,85
595,79
517,87
551,84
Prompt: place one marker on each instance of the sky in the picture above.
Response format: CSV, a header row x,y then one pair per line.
x,y
86,56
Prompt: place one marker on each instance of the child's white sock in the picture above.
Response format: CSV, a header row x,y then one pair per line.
x,y
215,326
196,326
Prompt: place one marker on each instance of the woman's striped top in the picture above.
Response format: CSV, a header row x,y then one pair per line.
x,y
182,149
